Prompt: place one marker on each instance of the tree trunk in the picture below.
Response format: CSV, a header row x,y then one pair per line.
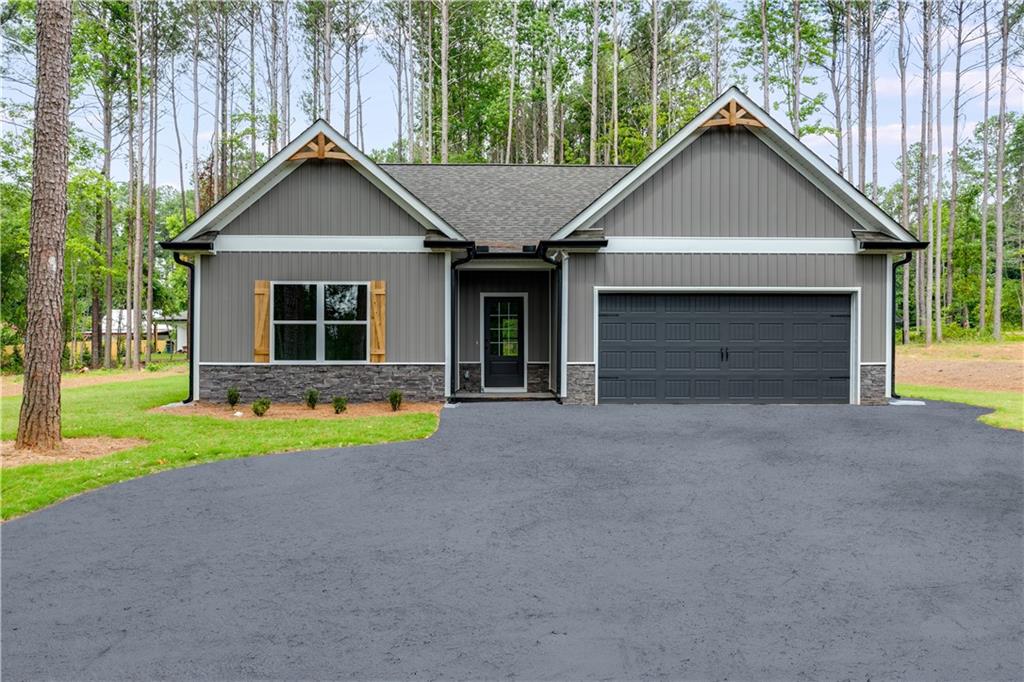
x,y
359,97
140,170
108,205
873,91
347,78
955,154
595,39
410,73
997,289
222,79
615,83
195,110
983,289
902,56
549,101
512,82
937,247
654,74
151,227
444,80
39,420
765,90
923,169
286,82
862,101
848,85
177,137
252,88
794,114
328,71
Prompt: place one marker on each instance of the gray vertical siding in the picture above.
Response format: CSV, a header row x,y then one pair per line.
x,y
726,270
534,283
415,298
324,198
727,183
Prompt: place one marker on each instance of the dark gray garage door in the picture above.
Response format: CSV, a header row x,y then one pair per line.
x,y
741,348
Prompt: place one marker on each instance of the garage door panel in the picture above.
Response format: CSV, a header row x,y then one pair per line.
x,y
672,348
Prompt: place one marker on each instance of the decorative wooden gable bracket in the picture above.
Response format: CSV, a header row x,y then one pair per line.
x,y
732,115
320,148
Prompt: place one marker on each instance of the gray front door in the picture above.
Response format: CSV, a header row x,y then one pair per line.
x,y
504,347
740,348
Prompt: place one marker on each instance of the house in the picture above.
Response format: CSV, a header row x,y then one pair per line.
x,y
168,327
731,265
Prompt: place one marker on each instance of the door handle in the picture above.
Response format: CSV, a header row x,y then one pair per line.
x,y
721,354
727,355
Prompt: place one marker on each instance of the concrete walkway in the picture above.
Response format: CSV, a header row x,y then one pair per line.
x,y
539,541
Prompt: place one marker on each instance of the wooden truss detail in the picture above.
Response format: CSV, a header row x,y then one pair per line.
x,y
732,115
320,148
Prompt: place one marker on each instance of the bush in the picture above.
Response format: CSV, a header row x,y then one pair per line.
x,y
312,398
395,398
260,406
233,396
340,404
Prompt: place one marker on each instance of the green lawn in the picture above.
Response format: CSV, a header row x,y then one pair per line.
x,y
120,410
1008,405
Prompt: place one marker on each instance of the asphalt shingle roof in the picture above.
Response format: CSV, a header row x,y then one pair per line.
x,y
506,205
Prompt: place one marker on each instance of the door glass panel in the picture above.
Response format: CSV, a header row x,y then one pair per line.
x,y
503,330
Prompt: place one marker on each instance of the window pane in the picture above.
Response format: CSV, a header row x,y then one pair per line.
x,y
295,342
345,342
344,302
295,302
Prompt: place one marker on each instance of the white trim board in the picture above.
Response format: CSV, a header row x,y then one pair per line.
x,y
840,246
855,320
798,155
280,243
306,363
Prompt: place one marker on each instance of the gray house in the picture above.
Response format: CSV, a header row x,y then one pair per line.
x,y
732,265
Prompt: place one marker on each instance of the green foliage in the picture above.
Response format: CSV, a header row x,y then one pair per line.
x,y
340,404
233,396
173,440
395,399
312,398
260,406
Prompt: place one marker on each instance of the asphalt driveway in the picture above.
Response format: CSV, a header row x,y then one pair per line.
x,y
538,541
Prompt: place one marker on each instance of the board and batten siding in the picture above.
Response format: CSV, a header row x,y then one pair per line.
x,y
727,183
533,283
324,198
415,303
726,270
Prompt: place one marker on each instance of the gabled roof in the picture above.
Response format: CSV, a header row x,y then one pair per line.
x,y
506,205
291,157
733,107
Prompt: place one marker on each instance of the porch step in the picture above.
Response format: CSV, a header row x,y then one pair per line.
x,y
469,397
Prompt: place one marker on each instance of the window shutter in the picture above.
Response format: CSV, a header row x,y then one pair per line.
x,y
378,320
261,321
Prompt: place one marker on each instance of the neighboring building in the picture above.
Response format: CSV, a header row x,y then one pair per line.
x,y
732,265
168,327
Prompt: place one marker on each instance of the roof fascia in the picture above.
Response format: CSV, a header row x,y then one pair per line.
x,y
280,166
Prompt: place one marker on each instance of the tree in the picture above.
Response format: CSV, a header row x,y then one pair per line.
x,y
902,57
997,289
39,419
983,298
595,40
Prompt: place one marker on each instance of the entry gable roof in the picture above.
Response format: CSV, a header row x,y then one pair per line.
x,y
319,140
733,107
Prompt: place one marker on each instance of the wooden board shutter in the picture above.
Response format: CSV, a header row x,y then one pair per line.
x,y
261,321
378,320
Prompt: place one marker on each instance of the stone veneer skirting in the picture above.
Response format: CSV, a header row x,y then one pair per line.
x,y
872,385
580,385
536,377
288,383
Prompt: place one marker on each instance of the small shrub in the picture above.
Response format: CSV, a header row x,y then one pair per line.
x,y
340,404
312,398
154,367
395,398
260,406
233,396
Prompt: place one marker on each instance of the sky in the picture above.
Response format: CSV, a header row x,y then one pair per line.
x,y
381,126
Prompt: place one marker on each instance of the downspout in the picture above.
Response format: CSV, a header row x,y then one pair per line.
x,y
555,367
191,320
892,360
454,378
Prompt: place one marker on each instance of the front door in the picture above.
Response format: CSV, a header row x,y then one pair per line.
x,y
504,343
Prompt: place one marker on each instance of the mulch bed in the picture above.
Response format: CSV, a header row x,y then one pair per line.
x,y
71,449
293,411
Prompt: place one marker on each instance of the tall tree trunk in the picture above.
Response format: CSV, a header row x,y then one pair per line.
x,y
765,90
848,84
512,82
595,39
151,226
108,205
983,289
130,231
997,289
359,96
902,56
716,46
654,74
862,99
444,80
328,70
39,420
955,153
347,78
177,137
940,190
873,92
615,83
95,286
140,169
286,80
222,79
923,206
549,100
195,109
428,110
410,73
794,112
252,88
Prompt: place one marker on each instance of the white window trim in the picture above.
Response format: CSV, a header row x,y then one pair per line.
x,y
483,340
855,321
319,323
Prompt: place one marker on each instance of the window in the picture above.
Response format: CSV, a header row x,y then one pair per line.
x,y
320,322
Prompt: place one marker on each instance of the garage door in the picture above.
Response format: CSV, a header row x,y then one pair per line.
x,y
740,348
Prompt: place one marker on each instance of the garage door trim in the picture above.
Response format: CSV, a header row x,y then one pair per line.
x,y
855,321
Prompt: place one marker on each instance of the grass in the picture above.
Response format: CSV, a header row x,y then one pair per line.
x,y
120,410
1008,406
